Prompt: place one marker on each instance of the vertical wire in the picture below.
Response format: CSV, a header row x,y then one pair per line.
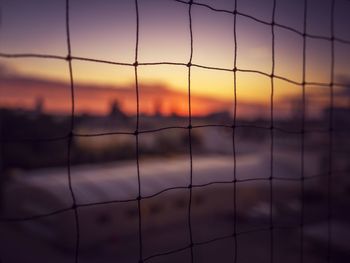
x,y
190,130
136,133
272,132
330,144
302,175
71,134
234,134
2,175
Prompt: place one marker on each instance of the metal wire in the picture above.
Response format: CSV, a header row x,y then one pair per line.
x,y
70,138
330,142
189,219
302,140
271,128
235,241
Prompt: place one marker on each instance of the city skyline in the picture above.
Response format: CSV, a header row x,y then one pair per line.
x,y
107,31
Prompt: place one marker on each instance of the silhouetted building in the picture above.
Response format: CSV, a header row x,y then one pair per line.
x,y
158,107
39,106
115,110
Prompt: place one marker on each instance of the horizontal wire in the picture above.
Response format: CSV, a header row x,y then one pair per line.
x,y
261,21
34,217
308,83
169,252
132,133
220,238
257,179
31,55
34,140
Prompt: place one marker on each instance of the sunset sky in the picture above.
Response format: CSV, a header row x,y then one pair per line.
x,y
107,30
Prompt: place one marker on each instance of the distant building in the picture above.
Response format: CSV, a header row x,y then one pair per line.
x,y
114,120
115,111
39,106
157,107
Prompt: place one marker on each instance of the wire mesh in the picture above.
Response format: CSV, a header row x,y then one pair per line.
x,y
272,129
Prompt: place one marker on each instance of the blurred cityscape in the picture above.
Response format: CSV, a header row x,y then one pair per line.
x,y
103,158
26,134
